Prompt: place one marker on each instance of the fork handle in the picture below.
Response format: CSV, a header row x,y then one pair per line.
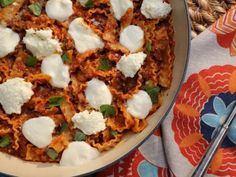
x,y
205,161
214,145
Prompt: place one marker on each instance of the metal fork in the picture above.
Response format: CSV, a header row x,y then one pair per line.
x,y
214,145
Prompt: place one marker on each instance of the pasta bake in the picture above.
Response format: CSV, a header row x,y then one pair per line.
x,y
76,75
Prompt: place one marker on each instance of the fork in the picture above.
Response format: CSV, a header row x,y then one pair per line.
x,y
214,145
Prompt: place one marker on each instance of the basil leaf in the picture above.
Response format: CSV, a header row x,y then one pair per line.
x,y
55,101
113,133
104,64
153,92
65,57
52,153
31,61
108,110
64,127
5,141
35,8
79,136
5,3
89,4
149,47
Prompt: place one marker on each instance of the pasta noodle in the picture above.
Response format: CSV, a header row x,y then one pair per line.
x,y
156,70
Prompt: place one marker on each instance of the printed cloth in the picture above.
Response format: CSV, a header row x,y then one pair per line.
x,y
205,99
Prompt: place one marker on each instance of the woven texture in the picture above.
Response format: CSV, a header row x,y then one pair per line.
x,y
205,12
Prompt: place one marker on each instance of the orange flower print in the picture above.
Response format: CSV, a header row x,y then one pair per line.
x,y
204,100
225,30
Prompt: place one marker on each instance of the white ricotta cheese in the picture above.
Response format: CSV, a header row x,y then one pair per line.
x,y
41,43
78,153
97,93
139,105
130,64
83,2
59,9
59,72
85,39
8,41
89,123
14,94
120,7
132,37
155,9
39,131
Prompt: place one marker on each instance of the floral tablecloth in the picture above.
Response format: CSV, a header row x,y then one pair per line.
x,y
206,98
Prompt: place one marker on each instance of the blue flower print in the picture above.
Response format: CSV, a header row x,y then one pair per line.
x,y
145,169
221,113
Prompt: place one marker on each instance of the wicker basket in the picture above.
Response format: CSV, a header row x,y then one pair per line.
x,y
205,12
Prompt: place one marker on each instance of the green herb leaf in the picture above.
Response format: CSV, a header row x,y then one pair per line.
x,y
52,153
113,133
65,57
104,64
31,61
89,4
79,136
64,127
4,141
153,92
108,110
5,3
35,8
55,101
149,47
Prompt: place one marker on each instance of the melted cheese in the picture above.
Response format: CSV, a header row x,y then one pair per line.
x,y
97,93
139,105
83,2
130,64
85,39
14,94
132,37
89,123
155,9
59,72
120,7
8,41
78,153
40,43
39,131
59,9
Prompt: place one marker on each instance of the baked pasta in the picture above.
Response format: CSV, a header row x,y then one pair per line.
x,y
76,75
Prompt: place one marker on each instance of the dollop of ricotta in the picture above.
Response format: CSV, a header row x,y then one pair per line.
x,y
85,39
59,9
78,153
59,72
14,94
120,7
83,2
152,9
130,64
39,131
89,122
132,37
139,105
8,41
41,43
97,93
